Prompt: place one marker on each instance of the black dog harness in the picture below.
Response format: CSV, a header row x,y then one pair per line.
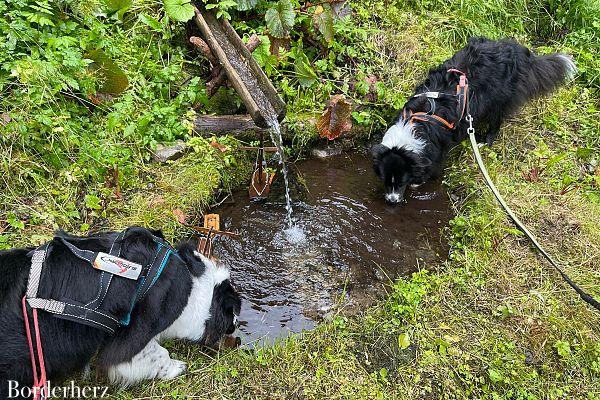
x,y
110,264
462,98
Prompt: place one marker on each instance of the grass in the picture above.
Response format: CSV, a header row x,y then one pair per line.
x,y
494,321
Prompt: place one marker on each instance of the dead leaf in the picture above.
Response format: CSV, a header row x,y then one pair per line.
x,y
157,200
219,146
180,216
5,119
336,120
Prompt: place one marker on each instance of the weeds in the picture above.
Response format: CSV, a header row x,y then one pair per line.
x,y
492,322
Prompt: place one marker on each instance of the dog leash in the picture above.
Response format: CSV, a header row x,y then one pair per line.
x,y
584,296
40,385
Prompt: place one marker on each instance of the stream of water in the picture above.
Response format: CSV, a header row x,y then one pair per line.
x,y
293,233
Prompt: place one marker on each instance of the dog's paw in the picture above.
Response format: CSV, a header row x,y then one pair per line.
x,y
173,369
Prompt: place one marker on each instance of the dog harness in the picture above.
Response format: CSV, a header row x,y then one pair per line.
x,y
462,97
111,264
88,314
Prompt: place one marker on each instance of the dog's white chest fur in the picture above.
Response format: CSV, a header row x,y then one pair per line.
x,y
400,135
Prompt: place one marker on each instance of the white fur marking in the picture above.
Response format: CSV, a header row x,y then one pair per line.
x,y
392,197
150,363
571,68
192,321
400,135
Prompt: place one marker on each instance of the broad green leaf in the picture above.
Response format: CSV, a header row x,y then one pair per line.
x,y
151,22
15,222
115,80
280,18
403,340
92,202
563,348
245,5
119,7
323,21
383,373
306,75
179,10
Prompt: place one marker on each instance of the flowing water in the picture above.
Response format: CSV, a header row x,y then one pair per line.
x,y
278,141
352,244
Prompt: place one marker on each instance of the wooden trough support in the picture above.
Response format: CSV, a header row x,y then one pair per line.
x,y
260,183
208,232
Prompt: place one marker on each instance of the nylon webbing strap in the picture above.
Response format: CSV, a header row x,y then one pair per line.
x,y
53,306
35,273
85,255
157,265
584,296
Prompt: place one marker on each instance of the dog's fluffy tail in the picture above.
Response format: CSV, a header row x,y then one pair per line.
x,y
549,72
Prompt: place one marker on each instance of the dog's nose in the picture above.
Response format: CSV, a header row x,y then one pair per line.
x,y
392,198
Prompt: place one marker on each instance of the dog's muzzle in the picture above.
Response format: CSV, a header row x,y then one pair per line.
x,y
392,198
396,195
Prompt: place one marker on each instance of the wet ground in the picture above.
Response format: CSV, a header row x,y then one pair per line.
x,y
347,246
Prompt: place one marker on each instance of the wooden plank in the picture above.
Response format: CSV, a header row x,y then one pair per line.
x,y
235,125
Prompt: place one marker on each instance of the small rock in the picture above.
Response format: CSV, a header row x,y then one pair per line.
x,y
166,153
326,151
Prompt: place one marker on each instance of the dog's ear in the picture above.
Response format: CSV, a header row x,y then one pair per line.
x,y
378,151
420,168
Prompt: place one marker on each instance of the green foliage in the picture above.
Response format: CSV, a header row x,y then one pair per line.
x,y
78,158
245,5
280,18
85,97
323,20
179,10
306,75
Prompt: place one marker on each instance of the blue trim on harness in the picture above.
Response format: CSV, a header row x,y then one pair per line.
x,y
127,319
160,270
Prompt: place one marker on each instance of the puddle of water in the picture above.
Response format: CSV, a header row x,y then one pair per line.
x,y
345,246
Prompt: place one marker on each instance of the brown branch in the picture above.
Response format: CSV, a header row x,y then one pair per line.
x,y
204,49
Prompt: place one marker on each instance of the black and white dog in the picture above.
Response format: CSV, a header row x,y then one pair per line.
x,y
502,76
193,299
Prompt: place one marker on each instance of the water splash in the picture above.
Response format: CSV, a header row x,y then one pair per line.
x,y
295,235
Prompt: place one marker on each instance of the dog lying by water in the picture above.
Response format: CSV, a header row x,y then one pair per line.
x,y
190,297
502,76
